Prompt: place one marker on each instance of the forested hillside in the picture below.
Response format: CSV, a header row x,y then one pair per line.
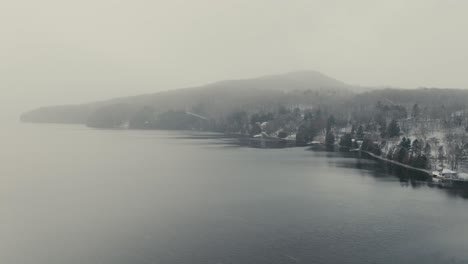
x,y
305,89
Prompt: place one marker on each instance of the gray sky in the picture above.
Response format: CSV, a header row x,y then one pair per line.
x,y
59,51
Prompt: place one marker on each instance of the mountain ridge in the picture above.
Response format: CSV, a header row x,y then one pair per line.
x,y
244,91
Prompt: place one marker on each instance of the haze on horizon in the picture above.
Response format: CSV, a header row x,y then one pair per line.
x,y
55,52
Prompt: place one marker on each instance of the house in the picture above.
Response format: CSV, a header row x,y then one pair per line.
x,y
448,174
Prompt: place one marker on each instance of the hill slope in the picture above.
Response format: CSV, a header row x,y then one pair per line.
x,y
214,100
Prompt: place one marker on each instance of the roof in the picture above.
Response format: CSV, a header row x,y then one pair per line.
x,y
447,171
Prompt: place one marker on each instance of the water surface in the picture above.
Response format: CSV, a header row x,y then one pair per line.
x,y
70,194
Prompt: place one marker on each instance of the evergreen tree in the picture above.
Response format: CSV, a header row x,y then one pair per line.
x,y
346,141
305,133
368,145
427,150
421,161
353,129
402,154
330,123
416,146
393,130
330,139
282,134
360,132
405,143
441,155
416,111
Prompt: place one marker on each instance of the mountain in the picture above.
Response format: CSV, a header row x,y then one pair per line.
x,y
215,100
235,105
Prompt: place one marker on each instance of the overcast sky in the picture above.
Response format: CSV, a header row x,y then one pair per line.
x,y
59,51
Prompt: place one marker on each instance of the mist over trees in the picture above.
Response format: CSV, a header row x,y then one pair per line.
x,y
218,100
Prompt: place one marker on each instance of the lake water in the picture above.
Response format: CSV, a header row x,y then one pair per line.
x,y
70,194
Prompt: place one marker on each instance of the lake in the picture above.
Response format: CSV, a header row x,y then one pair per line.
x,y
70,194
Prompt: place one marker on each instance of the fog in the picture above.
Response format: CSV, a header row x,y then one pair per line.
x,y
54,52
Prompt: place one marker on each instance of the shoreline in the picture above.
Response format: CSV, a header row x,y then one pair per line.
x,y
428,172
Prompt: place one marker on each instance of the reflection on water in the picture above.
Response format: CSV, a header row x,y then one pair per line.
x,y
377,168
383,170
